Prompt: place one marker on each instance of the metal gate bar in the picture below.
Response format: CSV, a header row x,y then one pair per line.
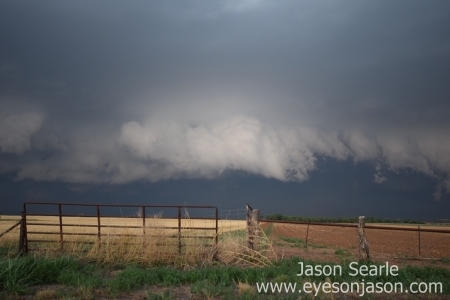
x,y
24,240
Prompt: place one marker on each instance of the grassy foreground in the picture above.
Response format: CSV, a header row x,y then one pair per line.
x,y
229,271
69,278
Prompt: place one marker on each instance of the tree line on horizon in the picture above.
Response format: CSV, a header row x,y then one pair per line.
x,y
338,219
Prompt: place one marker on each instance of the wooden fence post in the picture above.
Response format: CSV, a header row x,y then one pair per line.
x,y
248,213
253,230
364,254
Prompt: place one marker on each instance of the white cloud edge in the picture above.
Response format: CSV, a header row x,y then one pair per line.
x,y
160,150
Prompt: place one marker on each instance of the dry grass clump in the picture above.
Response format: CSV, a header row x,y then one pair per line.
x,y
158,246
234,251
9,243
245,289
47,294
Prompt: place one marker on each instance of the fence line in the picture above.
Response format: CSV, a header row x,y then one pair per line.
x,y
26,224
355,226
10,228
423,234
228,219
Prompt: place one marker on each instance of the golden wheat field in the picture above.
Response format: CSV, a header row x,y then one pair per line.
x,y
160,240
37,225
40,228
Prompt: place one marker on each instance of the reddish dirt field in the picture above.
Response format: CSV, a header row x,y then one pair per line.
x,y
335,244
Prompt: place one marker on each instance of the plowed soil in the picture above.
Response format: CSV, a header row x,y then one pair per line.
x,y
336,244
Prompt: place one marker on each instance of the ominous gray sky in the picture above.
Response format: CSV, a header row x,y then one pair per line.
x,y
111,93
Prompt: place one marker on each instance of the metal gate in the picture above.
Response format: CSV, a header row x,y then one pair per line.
x,y
53,222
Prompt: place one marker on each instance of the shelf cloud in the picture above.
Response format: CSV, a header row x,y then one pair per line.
x,y
100,93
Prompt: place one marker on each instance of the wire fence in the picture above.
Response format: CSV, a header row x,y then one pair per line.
x,y
405,241
230,220
408,241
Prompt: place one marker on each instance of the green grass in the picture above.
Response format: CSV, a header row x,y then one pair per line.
x,y
342,252
234,234
166,295
445,260
299,243
18,274
296,242
268,230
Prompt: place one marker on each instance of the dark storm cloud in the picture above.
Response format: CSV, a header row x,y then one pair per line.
x,y
114,92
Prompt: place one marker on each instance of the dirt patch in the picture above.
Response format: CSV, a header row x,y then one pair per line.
x,y
336,244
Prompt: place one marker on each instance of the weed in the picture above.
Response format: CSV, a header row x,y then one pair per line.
x,y
342,252
133,277
281,278
269,229
85,292
206,289
165,295
47,294
80,277
445,260
245,289
295,242
16,275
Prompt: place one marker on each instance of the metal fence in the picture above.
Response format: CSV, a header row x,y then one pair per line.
x,y
408,240
229,219
43,220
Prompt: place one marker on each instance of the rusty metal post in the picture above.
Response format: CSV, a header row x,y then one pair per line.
x,y
143,219
217,226
25,231
419,239
307,233
60,227
22,235
179,229
98,224
143,226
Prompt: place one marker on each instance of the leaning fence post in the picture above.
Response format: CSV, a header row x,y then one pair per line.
x,y
363,242
247,225
22,235
253,230
256,229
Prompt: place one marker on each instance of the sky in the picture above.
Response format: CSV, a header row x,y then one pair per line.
x,y
314,108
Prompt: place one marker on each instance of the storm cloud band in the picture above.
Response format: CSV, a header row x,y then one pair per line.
x,y
114,92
